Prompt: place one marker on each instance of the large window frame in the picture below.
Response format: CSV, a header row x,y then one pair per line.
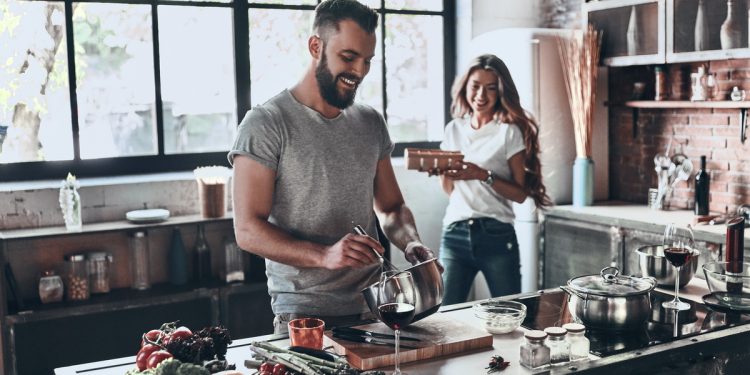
x,y
161,162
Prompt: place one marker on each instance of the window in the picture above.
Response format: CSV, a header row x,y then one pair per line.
x,y
130,86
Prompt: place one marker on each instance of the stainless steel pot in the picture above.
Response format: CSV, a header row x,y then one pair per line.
x,y
652,263
429,286
610,301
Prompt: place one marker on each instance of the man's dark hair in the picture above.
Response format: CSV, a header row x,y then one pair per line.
x,y
329,13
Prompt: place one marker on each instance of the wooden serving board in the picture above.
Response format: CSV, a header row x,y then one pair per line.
x,y
440,336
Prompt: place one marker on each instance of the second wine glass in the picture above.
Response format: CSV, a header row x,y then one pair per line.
x,y
396,304
679,248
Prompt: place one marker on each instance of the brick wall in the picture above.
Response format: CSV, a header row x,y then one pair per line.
x,y
694,132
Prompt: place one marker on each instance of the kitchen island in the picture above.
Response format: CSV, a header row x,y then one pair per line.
x,y
722,351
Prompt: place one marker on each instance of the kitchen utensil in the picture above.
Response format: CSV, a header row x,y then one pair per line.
x,y
385,264
429,285
679,247
610,301
717,278
652,263
500,316
682,173
373,340
360,332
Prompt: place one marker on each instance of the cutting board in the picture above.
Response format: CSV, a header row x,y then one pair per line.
x,y
440,336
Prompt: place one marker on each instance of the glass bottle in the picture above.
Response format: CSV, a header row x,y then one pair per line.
x,y
139,261
178,272
579,344
559,348
660,84
534,353
77,277
730,34
98,264
702,182
702,33
50,287
201,257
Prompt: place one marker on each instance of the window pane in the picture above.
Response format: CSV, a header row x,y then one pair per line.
x,y
197,78
371,89
115,79
435,5
374,4
278,50
414,66
35,122
285,2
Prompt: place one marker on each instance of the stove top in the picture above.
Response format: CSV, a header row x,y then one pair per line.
x,y
549,309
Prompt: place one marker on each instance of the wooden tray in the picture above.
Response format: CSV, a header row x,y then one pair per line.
x,y
426,159
440,336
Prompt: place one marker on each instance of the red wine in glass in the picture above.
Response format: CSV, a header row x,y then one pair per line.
x,y
678,256
396,315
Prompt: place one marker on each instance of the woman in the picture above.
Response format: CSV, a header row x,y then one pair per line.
x,y
501,165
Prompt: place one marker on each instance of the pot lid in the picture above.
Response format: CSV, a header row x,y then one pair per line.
x,y
610,283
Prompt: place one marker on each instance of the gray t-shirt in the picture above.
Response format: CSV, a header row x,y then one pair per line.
x,y
325,174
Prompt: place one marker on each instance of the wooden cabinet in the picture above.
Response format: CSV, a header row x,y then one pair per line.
x,y
36,337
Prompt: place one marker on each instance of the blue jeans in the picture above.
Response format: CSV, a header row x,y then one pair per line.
x,y
474,245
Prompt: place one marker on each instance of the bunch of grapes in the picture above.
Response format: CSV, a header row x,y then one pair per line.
x,y
201,346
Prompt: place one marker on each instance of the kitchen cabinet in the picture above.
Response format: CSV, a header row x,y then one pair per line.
x,y
690,21
36,337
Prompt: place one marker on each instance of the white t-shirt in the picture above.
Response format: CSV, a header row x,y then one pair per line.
x,y
489,147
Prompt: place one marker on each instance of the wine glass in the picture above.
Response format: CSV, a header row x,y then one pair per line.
x,y
679,248
396,304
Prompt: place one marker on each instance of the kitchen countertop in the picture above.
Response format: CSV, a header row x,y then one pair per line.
x,y
638,216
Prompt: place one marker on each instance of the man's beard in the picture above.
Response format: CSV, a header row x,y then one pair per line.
x,y
328,88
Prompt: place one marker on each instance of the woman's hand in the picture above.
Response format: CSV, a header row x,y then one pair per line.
x,y
467,171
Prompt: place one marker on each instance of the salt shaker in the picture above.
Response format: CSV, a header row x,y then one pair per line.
x,y
579,344
559,348
50,287
534,353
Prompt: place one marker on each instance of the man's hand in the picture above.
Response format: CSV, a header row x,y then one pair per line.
x,y
352,250
416,252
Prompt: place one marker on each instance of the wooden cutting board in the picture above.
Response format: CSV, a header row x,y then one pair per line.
x,y
440,336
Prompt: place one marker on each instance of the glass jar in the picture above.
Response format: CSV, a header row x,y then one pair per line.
x,y
50,287
76,277
660,84
534,353
139,262
579,344
233,269
559,348
98,264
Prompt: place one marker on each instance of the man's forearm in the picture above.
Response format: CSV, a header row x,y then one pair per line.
x,y
399,227
262,238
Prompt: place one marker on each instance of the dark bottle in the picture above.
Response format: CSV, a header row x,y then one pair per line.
x,y
201,257
702,181
177,259
734,255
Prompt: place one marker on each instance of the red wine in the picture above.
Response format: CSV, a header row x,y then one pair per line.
x,y
396,315
678,256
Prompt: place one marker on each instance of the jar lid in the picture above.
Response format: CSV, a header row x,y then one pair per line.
x,y
612,284
535,335
138,234
555,331
48,273
99,255
75,257
574,327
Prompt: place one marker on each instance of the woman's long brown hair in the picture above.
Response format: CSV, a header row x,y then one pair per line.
x,y
508,110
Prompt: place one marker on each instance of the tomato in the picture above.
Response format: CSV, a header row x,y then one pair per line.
x,y
153,335
279,369
266,367
180,333
143,354
156,357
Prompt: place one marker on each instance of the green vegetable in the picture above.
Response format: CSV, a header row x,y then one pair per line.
x,y
172,366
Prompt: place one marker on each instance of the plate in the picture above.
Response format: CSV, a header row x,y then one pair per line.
x,y
147,216
711,301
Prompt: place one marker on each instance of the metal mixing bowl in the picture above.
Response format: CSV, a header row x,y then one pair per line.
x,y
429,285
652,263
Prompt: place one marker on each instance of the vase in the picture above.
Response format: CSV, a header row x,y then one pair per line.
x,y
730,35
701,28
633,33
583,182
70,206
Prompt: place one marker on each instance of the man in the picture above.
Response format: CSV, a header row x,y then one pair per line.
x,y
308,166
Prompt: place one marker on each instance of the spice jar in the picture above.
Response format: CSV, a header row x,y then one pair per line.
x,y
579,344
50,287
559,348
76,277
534,353
660,84
98,264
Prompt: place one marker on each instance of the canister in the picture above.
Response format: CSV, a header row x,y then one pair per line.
x,y
76,277
98,265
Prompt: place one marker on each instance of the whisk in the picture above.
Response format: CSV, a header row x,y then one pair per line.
x,y
385,264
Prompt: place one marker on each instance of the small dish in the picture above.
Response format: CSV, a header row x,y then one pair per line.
x,y
500,316
147,216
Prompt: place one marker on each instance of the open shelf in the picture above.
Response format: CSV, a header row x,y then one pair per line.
x,y
726,104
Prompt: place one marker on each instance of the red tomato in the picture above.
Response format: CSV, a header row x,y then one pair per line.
x,y
279,369
152,335
143,354
265,367
178,334
156,357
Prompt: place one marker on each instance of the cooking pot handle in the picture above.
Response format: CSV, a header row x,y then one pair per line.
x,y
609,277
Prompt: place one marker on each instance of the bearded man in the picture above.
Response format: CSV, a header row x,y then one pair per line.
x,y
308,165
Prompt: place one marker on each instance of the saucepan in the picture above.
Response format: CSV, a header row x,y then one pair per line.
x,y
652,263
610,301
429,287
